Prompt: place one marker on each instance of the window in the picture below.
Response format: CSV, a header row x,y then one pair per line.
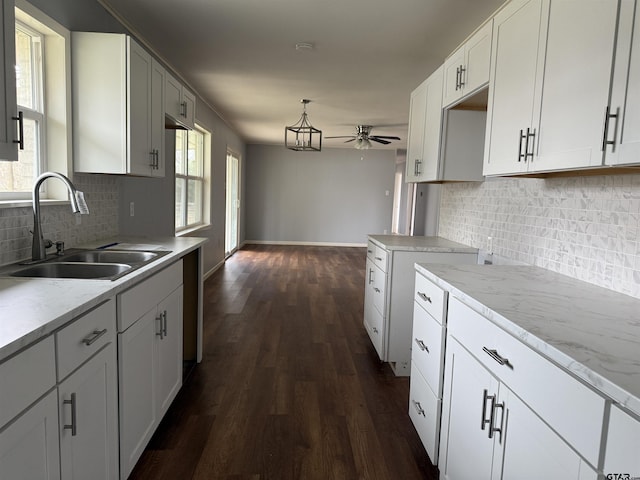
x,y
44,98
18,176
192,159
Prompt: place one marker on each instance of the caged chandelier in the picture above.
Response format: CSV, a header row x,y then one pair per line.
x,y
302,136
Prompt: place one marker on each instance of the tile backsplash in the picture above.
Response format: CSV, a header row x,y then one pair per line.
x,y
59,223
584,227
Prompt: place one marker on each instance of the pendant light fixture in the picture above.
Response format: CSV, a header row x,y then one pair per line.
x,y
302,136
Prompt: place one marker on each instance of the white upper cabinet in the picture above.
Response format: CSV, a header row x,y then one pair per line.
x,y
423,152
180,103
622,129
118,106
9,130
467,69
549,86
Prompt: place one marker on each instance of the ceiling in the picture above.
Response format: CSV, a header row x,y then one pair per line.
x,y
368,55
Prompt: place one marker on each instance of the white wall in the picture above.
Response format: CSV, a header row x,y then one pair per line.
x,y
584,227
336,196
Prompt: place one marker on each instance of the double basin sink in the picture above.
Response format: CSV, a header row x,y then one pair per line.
x,y
89,264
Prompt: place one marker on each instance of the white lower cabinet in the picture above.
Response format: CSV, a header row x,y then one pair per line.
x,y
623,445
424,411
150,359
29,447
87,402
490,428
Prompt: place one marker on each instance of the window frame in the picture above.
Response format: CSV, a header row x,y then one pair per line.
x,y
203,179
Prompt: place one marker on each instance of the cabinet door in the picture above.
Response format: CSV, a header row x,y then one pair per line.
x,y
432,128
8,103
415,140
452,90
136,377
529,449
624,131
577,76
373,319
623,443
189,102
169,355
92,450
477,60
515,81
466,450
29,447
157,119
139,99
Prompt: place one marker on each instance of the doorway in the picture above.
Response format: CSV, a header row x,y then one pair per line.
x,y
232,224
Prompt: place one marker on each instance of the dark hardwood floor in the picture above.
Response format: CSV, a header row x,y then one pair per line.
x,y
290,386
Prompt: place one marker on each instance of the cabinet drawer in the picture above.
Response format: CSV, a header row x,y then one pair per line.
x,y
380,258
374,323
571,408
424,411
371,250
25,377
426,349
139,299
623,443
431,297
379,290
77,342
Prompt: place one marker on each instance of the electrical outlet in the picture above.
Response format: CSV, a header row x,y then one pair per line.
x,y
132,210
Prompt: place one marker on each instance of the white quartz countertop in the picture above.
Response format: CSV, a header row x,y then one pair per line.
x,y
592,332
31,308
420,244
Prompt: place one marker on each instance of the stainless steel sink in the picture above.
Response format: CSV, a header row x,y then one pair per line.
x,y
110,256
86,264
73,270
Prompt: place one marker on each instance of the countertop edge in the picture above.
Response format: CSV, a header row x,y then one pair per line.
x,y
105,289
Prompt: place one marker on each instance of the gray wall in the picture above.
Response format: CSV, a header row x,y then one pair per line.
x,y
335,196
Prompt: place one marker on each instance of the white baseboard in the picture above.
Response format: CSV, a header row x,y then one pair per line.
x,y
212,271
312,244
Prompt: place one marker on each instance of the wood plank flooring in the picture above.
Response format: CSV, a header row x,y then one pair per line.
x,y
290,386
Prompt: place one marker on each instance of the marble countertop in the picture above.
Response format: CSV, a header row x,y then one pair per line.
x,y
420,244
590,331
31,308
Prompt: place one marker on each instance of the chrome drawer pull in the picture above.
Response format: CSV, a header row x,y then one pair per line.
x,y
73,426
161,332
493,429
377,290
419,408
424,297
497,357
95,335
375,330
370,275
164,322
422,346
378,258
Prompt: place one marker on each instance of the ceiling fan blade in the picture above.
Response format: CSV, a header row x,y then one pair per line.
x,y
384,142
350,140
384,136
344,136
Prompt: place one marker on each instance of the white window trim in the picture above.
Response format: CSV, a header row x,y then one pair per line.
x,y
57,70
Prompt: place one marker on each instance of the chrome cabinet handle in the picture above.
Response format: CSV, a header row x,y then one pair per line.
x,y
377,290
531,134
155,162
497,357
73,425
370,276
418,171
422,346
20,120
369,251
418,408
95,335
521,156
164,321
605,137
375,330
183,109
161,332
487,421
462,70
424,297
493,429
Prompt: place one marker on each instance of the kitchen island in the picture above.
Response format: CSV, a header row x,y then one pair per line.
x,y
389,280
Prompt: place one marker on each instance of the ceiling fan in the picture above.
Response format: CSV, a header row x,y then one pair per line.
x,y
363,138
